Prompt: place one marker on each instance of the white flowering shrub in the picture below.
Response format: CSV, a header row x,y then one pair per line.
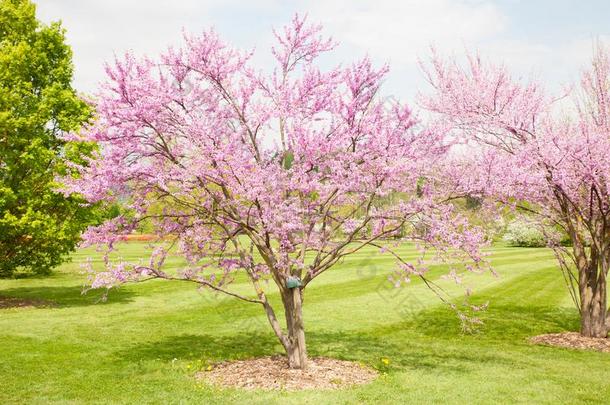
x,y
524,234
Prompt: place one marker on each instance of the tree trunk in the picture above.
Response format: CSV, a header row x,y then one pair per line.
x,y
593,307
295,345
294,340
593,317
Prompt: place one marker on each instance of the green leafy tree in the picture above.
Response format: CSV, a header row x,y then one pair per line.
x,y
38,225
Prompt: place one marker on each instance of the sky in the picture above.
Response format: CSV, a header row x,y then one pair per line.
x,y
548,40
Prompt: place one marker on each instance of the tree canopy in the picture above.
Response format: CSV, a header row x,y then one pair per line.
x,y
275,176
38,225
553,165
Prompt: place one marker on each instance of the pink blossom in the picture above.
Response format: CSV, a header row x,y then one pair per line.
x,y
272,174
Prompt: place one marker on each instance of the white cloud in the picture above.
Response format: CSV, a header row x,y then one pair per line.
x,y
98,29
400,31
394,31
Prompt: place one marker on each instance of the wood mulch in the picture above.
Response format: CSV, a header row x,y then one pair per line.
x,y
14,302
573,340
273,373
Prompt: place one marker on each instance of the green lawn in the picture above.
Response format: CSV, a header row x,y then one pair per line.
x,y
145,343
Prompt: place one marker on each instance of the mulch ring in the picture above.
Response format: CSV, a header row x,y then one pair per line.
x,y
573,340
273,373
14,302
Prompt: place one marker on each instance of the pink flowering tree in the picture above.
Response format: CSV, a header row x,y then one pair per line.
x,y
552,164
276,176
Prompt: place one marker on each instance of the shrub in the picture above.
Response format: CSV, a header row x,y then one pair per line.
x,y
524,234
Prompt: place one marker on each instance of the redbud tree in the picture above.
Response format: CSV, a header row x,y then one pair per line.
x,y
276,176
551,163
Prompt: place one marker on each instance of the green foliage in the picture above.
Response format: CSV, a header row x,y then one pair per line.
x,y
473,203
38,226
288,160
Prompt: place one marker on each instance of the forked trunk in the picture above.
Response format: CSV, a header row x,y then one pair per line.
x,y
593,312
295,345
593,322
593,298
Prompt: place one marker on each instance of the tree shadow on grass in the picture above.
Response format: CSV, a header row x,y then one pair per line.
x,y
358,347
505,322
434,339
207,347
430,340
61,297
402,352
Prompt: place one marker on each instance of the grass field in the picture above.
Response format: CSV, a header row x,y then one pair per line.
x,y
145,343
